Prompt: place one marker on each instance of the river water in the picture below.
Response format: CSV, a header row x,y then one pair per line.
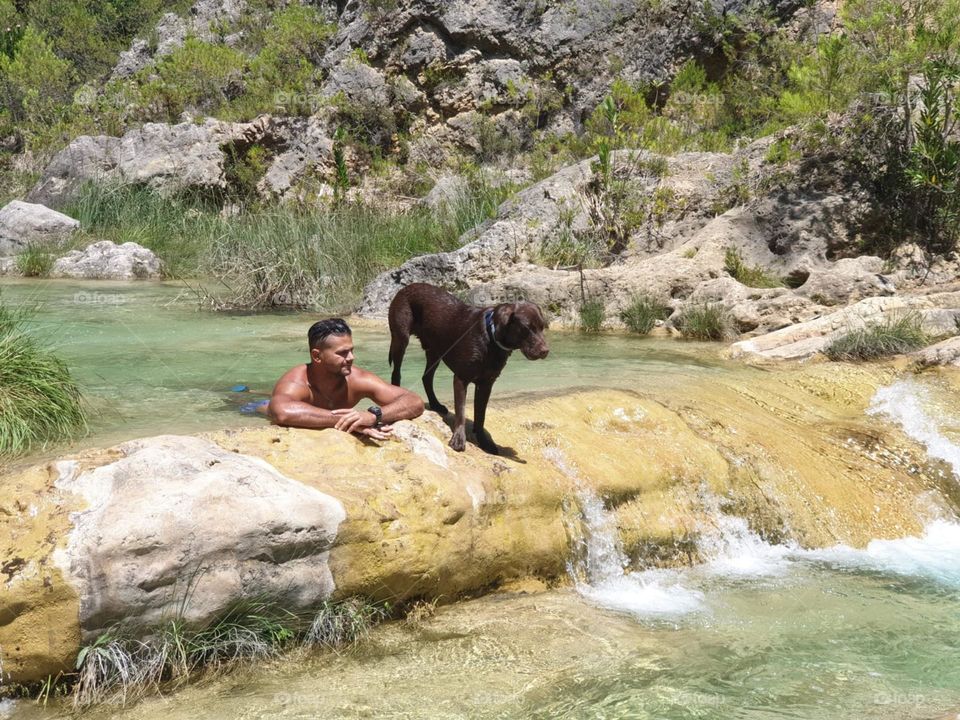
x,y
755,631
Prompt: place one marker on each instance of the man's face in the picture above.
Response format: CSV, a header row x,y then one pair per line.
x,y
335,354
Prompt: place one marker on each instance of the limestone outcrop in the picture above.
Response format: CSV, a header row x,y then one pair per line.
x,y
23,224
180,526
939,313
678,253
105,260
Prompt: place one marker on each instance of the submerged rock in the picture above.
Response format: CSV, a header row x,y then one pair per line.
x,y
181,525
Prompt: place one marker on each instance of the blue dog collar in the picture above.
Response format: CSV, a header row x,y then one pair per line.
x,y
488,322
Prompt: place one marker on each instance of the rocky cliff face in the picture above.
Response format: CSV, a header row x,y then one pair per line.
x,y
183,525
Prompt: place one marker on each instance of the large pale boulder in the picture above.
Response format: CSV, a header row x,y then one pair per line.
x,y
179,524
23,224
105,260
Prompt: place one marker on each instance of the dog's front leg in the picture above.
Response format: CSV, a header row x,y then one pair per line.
x,y
459,440
480,399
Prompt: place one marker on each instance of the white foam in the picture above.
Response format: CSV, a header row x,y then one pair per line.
x,y
903,402
935,555
732,549
648,594
7,707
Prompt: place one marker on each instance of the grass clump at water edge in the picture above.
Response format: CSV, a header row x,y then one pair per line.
x,y
893,336
280,256
706,321
39,400
643,312
592,315
126,663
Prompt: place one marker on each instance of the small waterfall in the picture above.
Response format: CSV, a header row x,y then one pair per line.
x,y
598,566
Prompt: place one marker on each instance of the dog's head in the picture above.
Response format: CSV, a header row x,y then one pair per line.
x,y
520,326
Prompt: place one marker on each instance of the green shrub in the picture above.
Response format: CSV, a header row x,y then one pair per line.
x,y
35,261
893,336
706,321
34,82
39,400
642,313
592,315
198,76
754,276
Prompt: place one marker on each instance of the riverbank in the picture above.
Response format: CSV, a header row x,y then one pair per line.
x,y
397,521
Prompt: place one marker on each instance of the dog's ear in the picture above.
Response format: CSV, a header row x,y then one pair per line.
x,y
502,313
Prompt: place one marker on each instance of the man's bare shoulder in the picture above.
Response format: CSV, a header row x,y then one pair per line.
x,y
293,382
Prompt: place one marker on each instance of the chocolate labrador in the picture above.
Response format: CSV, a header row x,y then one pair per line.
x,y
474,342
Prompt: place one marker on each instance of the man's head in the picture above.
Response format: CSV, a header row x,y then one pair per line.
x,y
331,345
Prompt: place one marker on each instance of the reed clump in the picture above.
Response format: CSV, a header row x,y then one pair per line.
x,y
893,336
126,662
280,256
750,275
705,321
40,401
643,312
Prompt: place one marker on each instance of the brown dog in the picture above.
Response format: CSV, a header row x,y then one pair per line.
x,y
474,342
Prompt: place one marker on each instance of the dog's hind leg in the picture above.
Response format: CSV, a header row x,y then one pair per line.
x,y
481,397
459,439
433,360
398,346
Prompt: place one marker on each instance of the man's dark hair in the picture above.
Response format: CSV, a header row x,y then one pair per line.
x,y
319,331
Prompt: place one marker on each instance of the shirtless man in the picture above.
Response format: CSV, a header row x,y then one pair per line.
x,y
323,393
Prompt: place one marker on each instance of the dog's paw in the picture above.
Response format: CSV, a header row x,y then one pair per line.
x,y
459,440
442,409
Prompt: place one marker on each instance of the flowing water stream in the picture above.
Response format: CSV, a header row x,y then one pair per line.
x,y
756,630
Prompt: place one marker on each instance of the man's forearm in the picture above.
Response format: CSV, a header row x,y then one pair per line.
x,y
403,408
302,415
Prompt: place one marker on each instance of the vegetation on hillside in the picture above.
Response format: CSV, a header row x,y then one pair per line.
x,y
872,99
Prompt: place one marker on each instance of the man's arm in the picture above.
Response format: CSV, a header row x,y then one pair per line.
x,y
395,403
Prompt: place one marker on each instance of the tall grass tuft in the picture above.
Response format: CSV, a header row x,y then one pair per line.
x,y
35,261
39,400
592,315
284,256
126,663
751,276
893,336
706,321
642,313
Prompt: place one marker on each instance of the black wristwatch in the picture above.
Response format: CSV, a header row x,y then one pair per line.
x,y
377,413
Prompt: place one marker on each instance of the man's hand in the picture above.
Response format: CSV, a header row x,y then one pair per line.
x,y
361,422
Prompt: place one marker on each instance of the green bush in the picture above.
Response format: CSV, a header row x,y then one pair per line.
x,y
706,321
34,82
198,75
39,400
642,313
751,276
592,315
893,336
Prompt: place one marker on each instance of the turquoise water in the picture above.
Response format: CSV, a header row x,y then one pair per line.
x,y
150,362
